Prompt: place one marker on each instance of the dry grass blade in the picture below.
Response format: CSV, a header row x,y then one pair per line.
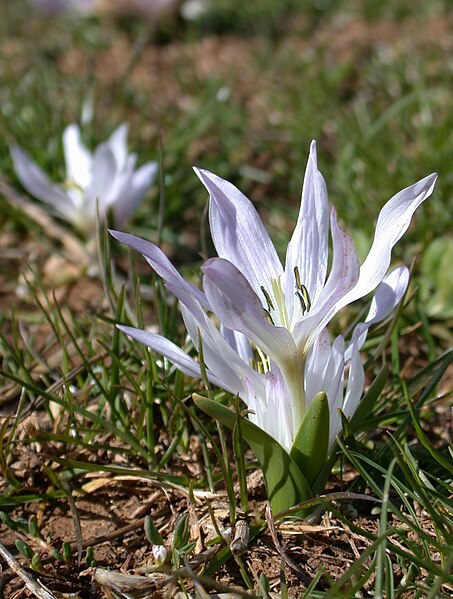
x,y
32,585
281,548
127,585
74,249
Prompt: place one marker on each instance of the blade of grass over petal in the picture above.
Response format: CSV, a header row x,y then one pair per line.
x,y
381,551
238,446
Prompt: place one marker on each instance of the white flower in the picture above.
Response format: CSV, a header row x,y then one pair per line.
x,y
160,554
272,347
104,180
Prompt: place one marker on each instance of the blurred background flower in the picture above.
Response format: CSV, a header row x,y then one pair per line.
x,y
96,183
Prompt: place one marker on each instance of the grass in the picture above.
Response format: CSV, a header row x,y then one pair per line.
x,y
96,431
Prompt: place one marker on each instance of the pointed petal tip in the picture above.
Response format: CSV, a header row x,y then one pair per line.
x,y
313,152
122,127
123,237
71,127
428,183
433,178
203,174
124,329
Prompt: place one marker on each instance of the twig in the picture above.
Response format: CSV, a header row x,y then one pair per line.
x,y
32,585
281,548
73,248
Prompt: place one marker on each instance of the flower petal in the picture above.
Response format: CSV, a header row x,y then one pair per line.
x,y
166,348
238,342
308,248
238,307
356,381
39,185
104,175
220,359
238,233
342,277
393,221
78,159
325,372
120,187
388,295
315,368
277,418
117,143
160,263
128,200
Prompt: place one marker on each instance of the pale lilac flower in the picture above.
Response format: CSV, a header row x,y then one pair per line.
x,y
153,10
160,554
62,6
272,347
104,180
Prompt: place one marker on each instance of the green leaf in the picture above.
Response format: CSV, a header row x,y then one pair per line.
x,y
311,444
23,548
421,435
238,448
285,483
152,534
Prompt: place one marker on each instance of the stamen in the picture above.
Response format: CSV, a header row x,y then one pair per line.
x,y
306,296
297,277
303,305
302,293
270,305
269,317
263,364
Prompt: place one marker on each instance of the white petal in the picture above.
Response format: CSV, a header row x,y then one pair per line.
x,y
315,368
238,233
160,263
38,184
277,419
325,372
334,386
104,174
393,221
78,159
388,295
121,186
238,342
238,307
127,203
163,346
221,360
117,143
342,277
356,382
308,248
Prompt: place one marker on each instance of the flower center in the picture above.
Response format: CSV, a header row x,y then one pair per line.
x,y
277,311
